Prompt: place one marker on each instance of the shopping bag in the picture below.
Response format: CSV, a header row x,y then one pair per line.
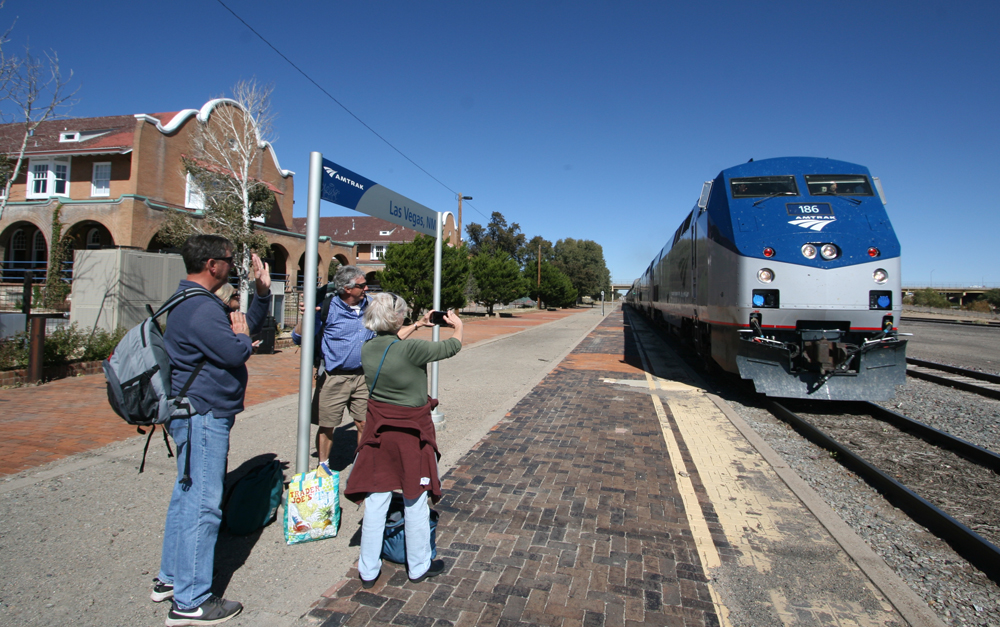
x,y
394,539
312,509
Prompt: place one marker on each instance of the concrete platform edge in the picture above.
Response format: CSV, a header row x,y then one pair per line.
x,y
901,596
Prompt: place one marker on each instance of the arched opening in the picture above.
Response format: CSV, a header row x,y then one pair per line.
x,y
89,235
300,275
279,263
157,245
24,249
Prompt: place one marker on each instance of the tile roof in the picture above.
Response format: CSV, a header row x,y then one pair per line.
x,y
361,229
114,133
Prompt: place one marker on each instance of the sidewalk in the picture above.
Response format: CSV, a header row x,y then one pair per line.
x,y
68,416
80,537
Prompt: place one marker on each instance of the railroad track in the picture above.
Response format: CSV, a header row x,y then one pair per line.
x,y
968,323
972,546
974,381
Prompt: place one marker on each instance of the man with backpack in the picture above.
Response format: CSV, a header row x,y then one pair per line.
x,y
205,338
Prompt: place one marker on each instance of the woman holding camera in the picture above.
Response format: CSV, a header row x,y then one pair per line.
x,y
398,450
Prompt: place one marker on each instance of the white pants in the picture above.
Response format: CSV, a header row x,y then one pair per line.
x,y
416,529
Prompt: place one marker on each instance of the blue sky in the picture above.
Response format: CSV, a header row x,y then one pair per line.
x,y
590,120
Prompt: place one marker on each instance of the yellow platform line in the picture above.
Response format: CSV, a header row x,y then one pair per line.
x,y
692,509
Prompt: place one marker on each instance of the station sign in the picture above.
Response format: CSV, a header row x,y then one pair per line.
x,y
349,189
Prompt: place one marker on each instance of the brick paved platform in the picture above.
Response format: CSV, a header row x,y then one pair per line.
x,y
566,514
614,494
41,424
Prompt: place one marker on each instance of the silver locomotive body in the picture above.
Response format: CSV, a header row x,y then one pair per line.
x,y
803,305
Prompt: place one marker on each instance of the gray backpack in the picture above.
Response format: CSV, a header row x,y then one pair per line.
x,y
138,375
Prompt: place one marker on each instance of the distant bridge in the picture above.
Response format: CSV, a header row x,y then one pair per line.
x,y
957,294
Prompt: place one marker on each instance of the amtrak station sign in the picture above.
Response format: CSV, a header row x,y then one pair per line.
x,y
349,189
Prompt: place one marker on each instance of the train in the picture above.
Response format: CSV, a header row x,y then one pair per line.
x,y
787,272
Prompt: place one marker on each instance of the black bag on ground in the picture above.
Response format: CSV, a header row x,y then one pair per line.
x,y
253,501
394,540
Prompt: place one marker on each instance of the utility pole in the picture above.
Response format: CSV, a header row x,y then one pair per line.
x,y
538,292
460,199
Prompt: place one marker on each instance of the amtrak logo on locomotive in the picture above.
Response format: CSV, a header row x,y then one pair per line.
x,y
813,216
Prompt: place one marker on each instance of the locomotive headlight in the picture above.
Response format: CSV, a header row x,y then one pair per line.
x,y
765,275
829,251
880,276
809,251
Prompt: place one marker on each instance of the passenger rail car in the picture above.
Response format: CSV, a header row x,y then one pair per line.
x,y
786,271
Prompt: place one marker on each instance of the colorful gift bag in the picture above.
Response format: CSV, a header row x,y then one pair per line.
x,y
312,509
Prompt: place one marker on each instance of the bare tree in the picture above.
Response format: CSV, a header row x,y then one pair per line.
x,y
229,148
32,90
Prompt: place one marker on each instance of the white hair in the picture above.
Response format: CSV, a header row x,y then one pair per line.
x,y
385,312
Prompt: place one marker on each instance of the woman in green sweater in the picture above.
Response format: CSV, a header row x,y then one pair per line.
x,y
398,450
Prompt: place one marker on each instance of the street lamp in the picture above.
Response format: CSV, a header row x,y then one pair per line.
x,y
460,199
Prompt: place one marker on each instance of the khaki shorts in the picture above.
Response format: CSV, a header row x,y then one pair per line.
x,y
336,392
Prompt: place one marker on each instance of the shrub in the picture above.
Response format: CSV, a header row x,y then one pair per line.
x,y
977,305
14,352
100,344
927,297
62,346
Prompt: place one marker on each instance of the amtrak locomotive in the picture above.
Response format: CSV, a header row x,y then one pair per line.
x,y
787,272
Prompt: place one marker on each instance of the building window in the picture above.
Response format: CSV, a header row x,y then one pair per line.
x,y
39,183
40,249
19,241
69,137
194,198
94,238
100,184
378,251
48,177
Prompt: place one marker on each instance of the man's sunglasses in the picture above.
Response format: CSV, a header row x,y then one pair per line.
x,y
360,286
228,260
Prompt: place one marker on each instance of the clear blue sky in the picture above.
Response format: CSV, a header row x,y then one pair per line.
x,y
590,120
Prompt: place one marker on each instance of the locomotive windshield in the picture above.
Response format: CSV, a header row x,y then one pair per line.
x,y
762,186
838,185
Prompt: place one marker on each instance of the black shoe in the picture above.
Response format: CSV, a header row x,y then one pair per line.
x,y
367,585
161,591
212,612
436,568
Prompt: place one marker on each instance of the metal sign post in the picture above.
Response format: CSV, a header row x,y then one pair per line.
x,y
309,317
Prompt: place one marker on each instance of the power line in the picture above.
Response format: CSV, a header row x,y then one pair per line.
x,y
340,104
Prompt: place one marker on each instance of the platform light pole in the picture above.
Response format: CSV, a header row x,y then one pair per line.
x,y
460,199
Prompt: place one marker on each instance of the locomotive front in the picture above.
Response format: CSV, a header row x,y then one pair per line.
x,y
817,266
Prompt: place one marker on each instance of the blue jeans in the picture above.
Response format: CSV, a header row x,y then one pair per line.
x,y
416,527
195,510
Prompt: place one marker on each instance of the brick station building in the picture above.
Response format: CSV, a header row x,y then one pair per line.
x,y
117,179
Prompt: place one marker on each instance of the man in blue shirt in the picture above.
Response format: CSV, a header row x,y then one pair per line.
x,y
341,382
202,331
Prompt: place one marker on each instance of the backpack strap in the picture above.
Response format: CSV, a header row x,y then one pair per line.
x,y
377,372
172,302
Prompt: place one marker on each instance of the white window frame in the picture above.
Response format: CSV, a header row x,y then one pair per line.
x,y
378,251
100,186
48,180
194,197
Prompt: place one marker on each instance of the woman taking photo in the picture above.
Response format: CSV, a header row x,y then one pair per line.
x,y
398,450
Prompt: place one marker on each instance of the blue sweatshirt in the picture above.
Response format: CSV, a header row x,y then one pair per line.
x,y
199,328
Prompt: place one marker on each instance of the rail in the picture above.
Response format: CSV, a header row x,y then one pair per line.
x,y
983,554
